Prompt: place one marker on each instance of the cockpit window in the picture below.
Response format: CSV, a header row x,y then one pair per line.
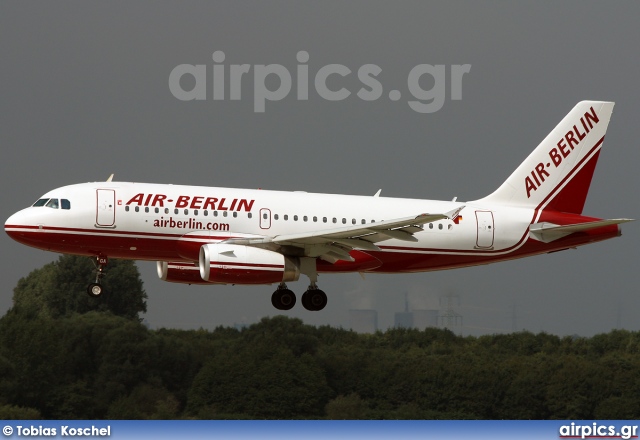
x,y
54,203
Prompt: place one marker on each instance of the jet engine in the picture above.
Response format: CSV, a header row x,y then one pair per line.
x,y
177,272
238,264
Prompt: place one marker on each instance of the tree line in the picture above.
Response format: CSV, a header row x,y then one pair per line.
x,y
64,355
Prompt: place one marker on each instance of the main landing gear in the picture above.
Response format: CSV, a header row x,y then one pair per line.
x,y
313,299
95,289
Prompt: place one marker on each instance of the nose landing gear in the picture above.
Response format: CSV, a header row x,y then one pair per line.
x,y
95,289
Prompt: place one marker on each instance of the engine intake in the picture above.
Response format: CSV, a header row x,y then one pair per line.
x,y
238,264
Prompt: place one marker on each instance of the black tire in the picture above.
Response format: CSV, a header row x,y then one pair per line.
x,y
95,290
314,300
283,299
305,300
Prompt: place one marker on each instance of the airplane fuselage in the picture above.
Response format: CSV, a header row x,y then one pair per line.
x,y
171,222
240,236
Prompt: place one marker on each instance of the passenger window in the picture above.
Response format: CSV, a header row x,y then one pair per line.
x,y
157,210
275,216
126,208
195,212
53,203
65,204
305,218
146,209
186,212
353,221
205,213
249,215
344,221
286,217
41,202
335,220
235,215
215,213
166,210
324,219
176,211
264,216
430,225
137,209
315,219
224,214
440,226
363,221
295,218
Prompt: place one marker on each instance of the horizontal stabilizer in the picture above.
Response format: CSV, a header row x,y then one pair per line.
x,y
548,232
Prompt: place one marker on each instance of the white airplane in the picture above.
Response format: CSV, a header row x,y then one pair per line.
x,y
203,235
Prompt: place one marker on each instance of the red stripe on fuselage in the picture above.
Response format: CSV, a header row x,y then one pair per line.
x,y
164,246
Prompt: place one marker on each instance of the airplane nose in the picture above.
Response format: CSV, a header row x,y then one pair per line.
x,y
15,226
12,220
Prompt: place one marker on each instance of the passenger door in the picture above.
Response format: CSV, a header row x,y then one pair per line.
x,y
105,208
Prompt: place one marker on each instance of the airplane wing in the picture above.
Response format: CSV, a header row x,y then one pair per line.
x,y
334,244
548,232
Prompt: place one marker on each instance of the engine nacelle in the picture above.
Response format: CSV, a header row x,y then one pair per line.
x,y
186,273
238,264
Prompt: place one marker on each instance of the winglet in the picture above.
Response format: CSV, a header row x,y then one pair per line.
x,y
453,214
110,178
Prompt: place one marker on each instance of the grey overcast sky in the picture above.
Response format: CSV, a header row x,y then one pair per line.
x,y
84,93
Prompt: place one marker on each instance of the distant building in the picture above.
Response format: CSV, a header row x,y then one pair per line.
x,y
419,319
425,318
403,320
363,321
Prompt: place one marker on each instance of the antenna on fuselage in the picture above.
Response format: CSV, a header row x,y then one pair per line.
x,y
110,178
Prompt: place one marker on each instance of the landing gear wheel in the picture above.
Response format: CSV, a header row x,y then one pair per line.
x,y
94,290
314,300
283,299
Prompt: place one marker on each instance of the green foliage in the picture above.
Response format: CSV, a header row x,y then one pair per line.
x,y
11,412
65,356
350,407
97,365
269,373
59,289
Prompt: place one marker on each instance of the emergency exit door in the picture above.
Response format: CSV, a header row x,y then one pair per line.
x,y
265,218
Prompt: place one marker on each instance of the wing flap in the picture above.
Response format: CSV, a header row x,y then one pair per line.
x,y
412,225
334,244
323,243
